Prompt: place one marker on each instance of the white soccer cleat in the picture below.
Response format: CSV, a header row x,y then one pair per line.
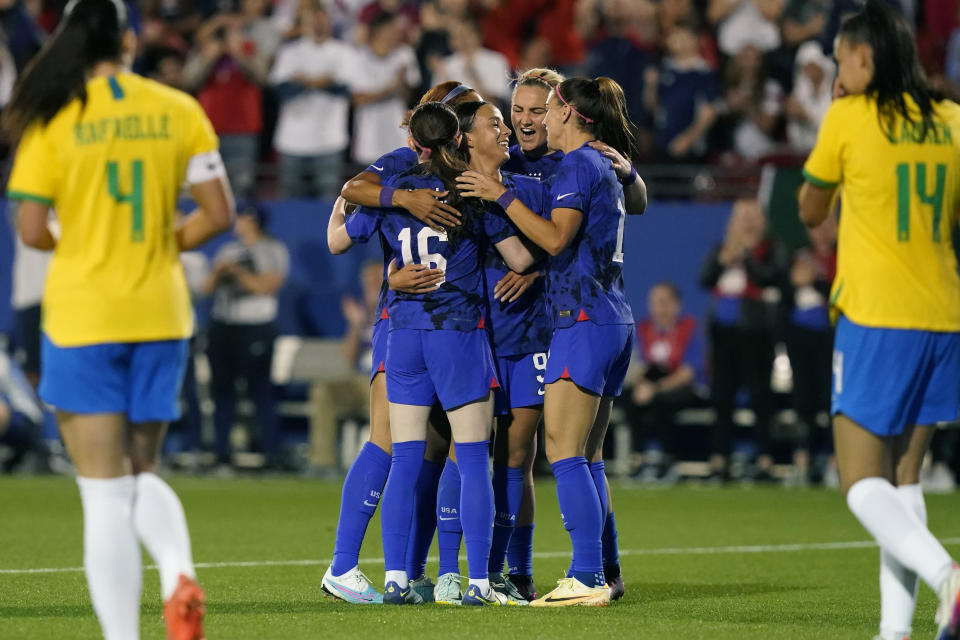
x,y
352,587
448,590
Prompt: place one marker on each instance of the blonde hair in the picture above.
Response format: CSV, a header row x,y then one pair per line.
x,y
539,77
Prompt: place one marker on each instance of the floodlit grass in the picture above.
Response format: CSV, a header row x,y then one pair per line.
x,y
698,563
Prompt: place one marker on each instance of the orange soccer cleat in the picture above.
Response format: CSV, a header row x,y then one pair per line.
x,y
184,611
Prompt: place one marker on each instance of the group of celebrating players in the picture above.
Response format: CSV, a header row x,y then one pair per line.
x,y
503,297
463,333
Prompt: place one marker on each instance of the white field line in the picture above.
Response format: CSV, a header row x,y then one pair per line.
x,y
665,551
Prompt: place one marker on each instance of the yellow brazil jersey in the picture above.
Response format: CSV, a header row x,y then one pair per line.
x,y
112,170
896,267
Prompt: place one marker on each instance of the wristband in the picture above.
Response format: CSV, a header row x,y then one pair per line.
x,y
386,197
506,199
629,180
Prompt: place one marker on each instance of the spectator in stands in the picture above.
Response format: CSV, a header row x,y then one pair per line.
x,y
740,271
618,54
335,400
245,281
163,64
485,70
811,97
742,23
309,77
951,67
382,76
19,32
227,71
434,43
753,105
804,20
196,269
681,94
810,340
670,354
509,24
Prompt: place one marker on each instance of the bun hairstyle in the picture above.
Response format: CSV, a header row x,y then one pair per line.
x,y
450,93
435,130
90,31
600,107
541,77
896,66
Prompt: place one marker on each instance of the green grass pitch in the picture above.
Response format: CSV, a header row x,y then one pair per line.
x,y
698,563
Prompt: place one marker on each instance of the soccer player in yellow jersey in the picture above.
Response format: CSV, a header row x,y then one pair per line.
x,y
893,146
108,151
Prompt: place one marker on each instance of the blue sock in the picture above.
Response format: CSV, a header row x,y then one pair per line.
x,y
582,517
396,516
448,518
507,496
358,501
600,482
611,553
424,519
520,551
476,504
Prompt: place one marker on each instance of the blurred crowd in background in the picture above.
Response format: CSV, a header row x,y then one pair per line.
x,y
304,93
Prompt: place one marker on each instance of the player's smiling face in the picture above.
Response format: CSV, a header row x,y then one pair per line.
x,y
490,136
528,111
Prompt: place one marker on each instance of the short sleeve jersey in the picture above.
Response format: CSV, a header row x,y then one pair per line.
x,y
521,326
458,303
896,266
586,278
112,170
364,223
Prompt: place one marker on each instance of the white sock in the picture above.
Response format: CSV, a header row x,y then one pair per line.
x,y
400,577
111,554
160,524
482,583
898,530
898,585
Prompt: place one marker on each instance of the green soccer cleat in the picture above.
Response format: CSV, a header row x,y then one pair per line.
x,y
448,590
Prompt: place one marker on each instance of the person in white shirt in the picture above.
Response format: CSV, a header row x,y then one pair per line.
x,y
310,80
382,74
483,69
811,97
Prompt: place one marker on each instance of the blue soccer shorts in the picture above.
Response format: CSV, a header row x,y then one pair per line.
x,y
594,356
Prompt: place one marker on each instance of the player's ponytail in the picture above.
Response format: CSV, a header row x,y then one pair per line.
x,y
435,131
600,107
897,69
91,31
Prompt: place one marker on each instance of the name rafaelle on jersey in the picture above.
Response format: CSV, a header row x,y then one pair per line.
x,y
129,127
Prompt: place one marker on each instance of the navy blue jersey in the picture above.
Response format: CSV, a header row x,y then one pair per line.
x,y
521,326
393,163
458,304
587,276
361,225
362,228
541,167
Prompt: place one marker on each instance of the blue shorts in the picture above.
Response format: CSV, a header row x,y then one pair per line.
x,y
454,367
378,343
521,381
888,379
594,356
139,379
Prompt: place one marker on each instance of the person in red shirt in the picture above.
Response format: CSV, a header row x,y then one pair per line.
x,y
670,350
